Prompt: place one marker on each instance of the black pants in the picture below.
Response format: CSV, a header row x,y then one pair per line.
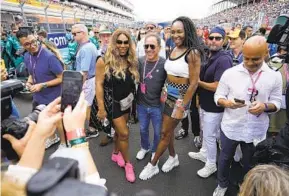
x,y
195,118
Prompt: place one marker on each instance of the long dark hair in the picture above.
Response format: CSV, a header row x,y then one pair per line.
x,y
191,38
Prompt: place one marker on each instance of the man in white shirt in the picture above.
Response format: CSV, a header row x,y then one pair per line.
x,y
140,51
248,92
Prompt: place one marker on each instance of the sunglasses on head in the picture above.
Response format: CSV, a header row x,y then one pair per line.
x,y
216,38
146,46
122,42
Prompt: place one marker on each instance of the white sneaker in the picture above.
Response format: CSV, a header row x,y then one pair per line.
x,y
208,170
219,191
198,156
170,163
61,146
153,155
149,171
141,154
49,142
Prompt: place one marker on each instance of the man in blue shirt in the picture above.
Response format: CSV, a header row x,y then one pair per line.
x,y
236,40
45,75
85,63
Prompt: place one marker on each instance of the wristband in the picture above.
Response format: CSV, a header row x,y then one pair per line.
x,y
77,133
82,145
77,141
266,107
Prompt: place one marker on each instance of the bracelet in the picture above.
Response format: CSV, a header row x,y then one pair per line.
x,y
77,141
77,133
266,107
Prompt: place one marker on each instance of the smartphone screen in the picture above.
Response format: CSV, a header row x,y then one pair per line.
x,y
72,83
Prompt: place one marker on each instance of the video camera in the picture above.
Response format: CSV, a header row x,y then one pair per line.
x,y
280,35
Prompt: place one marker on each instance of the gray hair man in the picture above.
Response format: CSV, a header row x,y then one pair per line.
x,y
85,62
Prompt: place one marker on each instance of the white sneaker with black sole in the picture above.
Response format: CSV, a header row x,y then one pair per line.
x,y
149,171
208,170
198,156
219,191
171,163
141,154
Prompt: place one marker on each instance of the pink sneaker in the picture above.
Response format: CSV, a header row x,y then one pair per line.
x,y
118,159
129,173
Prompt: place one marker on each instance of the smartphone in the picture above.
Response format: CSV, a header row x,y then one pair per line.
x,y
72,82
239,101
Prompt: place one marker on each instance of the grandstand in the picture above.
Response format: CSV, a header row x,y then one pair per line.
x,y
245,12
54,15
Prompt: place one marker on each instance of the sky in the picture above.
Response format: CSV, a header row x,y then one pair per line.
x,y
167,10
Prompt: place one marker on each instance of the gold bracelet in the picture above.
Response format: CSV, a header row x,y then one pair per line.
x,y
82,145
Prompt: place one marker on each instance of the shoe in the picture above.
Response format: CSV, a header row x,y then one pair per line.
x,y
141,154
118,159
208,170
105,141
170,163
149,171
181,134
49,142
219,191
198,156
129,173
153,155
198,142
62,145
91,134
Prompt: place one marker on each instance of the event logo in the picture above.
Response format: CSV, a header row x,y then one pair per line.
x,y
58,39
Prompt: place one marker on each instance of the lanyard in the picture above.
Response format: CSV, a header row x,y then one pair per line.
x,y
34,65
149,74
255,81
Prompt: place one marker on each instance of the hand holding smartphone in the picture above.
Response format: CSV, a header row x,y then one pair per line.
x,y
72,83
239,101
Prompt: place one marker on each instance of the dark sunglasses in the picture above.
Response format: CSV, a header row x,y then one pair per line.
x,y
120,42
142,33
74,34
216,38
96,32
151,28
29,44
146,46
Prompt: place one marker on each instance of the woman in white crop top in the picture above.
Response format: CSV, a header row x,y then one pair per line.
x,y
183,68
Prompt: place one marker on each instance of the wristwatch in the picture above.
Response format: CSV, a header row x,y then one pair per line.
x,y
44,85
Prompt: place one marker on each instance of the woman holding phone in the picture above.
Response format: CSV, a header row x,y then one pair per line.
x,y
116,79
183,68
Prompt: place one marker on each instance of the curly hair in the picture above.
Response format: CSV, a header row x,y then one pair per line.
x,y
265,180
116,63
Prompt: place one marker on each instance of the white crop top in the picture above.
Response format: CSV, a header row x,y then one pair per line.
x,y
178,66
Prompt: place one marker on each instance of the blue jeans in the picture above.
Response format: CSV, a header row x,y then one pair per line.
x,y
145,115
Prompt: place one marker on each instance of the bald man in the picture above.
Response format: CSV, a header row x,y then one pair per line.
x,y
248,92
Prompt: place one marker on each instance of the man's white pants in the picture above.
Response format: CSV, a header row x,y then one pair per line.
x,y
211,124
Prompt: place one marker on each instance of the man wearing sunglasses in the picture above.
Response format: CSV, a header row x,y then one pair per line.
x,y
150,28
95,38
211,114
86,56
45,75
248,92
152,78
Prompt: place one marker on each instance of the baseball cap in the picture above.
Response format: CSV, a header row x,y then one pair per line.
x,y
237,33
104,30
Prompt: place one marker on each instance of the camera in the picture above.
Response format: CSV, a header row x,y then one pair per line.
x,y
17,128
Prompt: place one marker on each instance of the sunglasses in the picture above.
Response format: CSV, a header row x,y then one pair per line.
x,y
120,42
29,44
74,34
96,32
216,38
233,39
150,28
142,33
146,46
